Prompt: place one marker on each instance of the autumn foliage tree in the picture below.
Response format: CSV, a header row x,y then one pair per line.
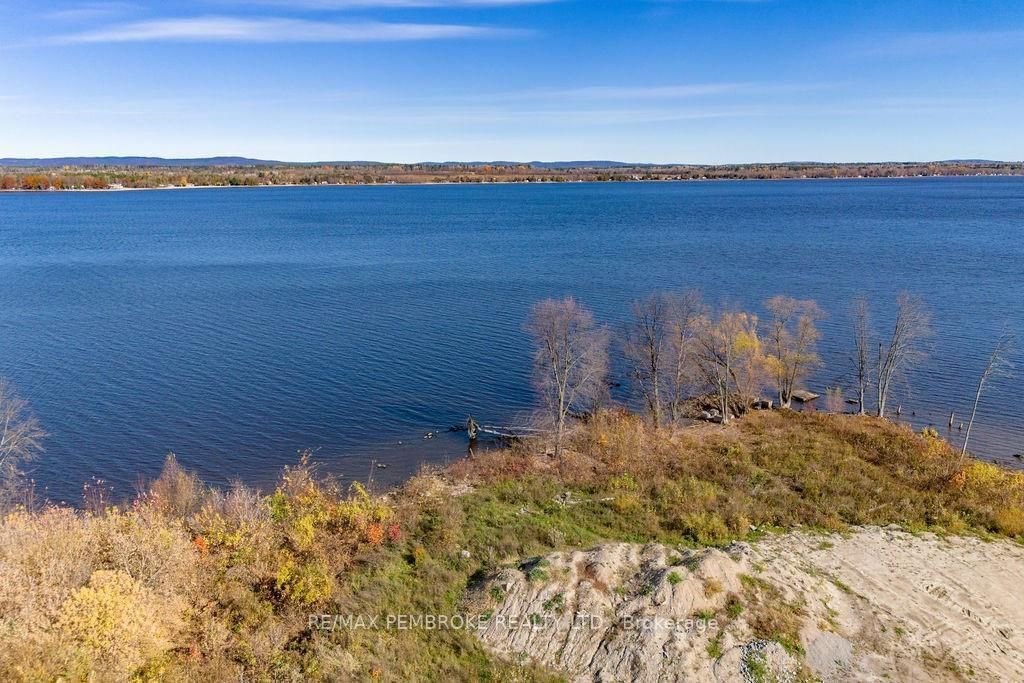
x,y
35,181
731,359
792,337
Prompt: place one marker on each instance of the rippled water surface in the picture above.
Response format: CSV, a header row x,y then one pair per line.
x,y
236,327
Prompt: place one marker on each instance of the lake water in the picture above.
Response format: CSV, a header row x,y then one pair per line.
x,y
237,327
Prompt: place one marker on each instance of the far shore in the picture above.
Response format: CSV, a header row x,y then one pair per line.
x,y
612,181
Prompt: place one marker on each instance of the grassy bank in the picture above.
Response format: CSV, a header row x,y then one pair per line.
x,y
191,583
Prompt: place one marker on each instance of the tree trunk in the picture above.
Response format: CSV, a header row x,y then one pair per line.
x,y
970,423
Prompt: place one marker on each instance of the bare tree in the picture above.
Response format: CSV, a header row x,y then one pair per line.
x,y
687,311
911,327
570,359
792,337
21,437
647,348
862,366
730,359
998,365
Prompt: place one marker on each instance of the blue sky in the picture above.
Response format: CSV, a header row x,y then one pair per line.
x,y
703,81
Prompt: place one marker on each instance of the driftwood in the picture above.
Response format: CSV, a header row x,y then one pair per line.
x,y
805,396
509,433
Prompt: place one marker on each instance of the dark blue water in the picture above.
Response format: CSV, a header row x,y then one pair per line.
x,y
237,327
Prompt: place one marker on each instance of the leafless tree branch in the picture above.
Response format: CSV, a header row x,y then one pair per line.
x,y
998,365
570,360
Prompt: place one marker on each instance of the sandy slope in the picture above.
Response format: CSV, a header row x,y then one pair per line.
x,y
876,604
950,607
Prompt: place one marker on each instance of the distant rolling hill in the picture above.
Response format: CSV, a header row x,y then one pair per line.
x,y
141,162
57,162
592,165
550,164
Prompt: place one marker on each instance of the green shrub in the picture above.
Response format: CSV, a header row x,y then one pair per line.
x,y
307,583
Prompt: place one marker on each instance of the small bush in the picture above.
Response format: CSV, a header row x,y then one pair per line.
x,y
117,621
307,583
715,647
554,604
176,491
1010,521
706,528
984,480
625,503
536,570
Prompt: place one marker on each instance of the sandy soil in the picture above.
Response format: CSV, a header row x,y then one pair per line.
x,y
915,607
875,604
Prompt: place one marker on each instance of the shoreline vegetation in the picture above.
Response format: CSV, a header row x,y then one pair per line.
x,y
125,177
190,582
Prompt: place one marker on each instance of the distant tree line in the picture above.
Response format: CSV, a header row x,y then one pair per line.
x,y
103,177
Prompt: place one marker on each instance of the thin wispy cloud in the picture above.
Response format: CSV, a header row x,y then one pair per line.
x,y
224,29
90,10
613,92
410,4
609,93
677,91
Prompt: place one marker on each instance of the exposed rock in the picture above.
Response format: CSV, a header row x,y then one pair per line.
x,y
879,603
761,660
621,612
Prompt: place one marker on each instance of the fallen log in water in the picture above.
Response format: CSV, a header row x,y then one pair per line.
x,y
510,433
